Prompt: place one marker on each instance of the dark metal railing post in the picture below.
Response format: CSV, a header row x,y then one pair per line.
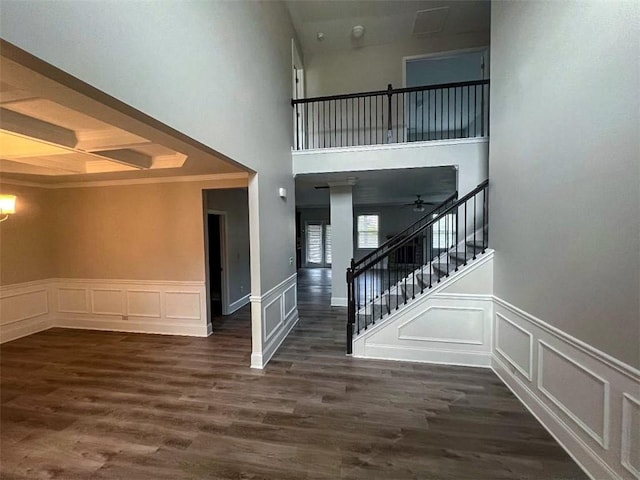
x,y
350,310
389,122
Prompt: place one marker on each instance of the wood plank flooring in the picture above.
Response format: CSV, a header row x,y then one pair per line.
x,y
100,405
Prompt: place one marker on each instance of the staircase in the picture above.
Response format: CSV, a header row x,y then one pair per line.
x,y
409,265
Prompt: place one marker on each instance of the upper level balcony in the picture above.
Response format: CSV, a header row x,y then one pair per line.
x,y
417,114
425,126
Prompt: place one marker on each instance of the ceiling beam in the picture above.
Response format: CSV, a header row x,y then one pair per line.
x,y
127,157
34,128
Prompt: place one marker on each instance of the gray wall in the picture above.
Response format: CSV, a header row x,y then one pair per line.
x,y
372,68
219,72
235,203
564,167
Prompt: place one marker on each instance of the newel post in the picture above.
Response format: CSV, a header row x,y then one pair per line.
x,y
350,308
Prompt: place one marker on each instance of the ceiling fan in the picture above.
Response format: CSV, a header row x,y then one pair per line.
x,y
418,204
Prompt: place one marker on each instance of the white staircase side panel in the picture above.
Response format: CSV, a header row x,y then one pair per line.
x,y
451,325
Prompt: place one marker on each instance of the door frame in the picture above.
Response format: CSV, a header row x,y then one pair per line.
x,y
324,263
224,261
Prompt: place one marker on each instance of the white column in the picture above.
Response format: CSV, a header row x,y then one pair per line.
x,y
341,241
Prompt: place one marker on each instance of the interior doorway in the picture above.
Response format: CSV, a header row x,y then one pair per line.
x,y
318,244
215,263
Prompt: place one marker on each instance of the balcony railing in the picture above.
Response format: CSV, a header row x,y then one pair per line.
x,y
433,112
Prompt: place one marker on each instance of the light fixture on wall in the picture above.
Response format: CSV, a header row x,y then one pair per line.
x,y
7,206
282,192
357,32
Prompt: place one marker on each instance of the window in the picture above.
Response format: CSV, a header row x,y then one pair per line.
x,y
444,232
368,231
318,244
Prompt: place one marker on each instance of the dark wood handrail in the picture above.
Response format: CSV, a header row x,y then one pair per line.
x,y
389,91
397,236
405,241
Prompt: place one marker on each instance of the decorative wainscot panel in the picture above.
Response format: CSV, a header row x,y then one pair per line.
x,y
177,308
589,401
438,330
278,310
25,308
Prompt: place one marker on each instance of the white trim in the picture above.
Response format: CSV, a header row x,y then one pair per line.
x,y
238,304
390,146
339,301
585,457
162,283
113,325
599,355
418,355
436,339
18,286
625,448
13,331
271,291
132,181
293,287
146,315
435,290
267,336
183,317
528,374
85,291
603,440
260,360
93,301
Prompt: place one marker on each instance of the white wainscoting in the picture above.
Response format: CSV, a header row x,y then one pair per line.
x,y
450,325
25,308
165,307
278,313
586,399
437,329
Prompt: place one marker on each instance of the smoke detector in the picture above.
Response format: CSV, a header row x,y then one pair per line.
x,y
357,31
320,36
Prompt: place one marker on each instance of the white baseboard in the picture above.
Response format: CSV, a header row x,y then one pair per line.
x,y
13,331
576,392
339,302
114,325
260,360
238,304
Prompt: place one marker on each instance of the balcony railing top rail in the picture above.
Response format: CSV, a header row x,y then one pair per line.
x,y
429,112
389,90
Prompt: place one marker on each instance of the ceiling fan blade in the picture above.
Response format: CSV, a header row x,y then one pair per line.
x,y
321,187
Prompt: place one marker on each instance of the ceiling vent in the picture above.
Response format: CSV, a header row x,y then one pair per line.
x,y
430,21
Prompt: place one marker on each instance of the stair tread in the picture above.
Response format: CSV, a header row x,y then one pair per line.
x,y
477,244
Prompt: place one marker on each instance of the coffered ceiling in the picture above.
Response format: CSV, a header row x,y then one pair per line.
x,y
41,137
51,133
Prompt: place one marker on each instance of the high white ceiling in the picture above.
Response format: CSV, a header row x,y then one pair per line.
x,y
380,187
385,21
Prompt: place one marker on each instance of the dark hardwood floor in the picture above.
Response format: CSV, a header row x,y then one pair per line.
x,y
100,405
